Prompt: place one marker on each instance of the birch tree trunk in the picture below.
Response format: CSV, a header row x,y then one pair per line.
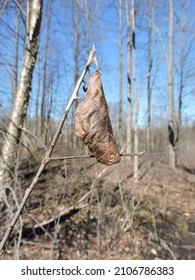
x,y
120,65
9,147
135,96
171,136
129,108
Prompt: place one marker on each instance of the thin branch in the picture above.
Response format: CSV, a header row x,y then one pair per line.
x,y
3,8
35,137
46,158
92,156
76,207
19,7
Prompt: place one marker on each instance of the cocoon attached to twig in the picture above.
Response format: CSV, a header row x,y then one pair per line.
x,y
93,126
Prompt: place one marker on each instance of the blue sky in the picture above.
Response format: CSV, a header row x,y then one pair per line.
x,y
104,35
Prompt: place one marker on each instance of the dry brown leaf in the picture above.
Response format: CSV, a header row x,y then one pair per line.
x,y
93,126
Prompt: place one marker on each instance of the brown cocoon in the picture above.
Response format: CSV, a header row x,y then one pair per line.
x,y
93,126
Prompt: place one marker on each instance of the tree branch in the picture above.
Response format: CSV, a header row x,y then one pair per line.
x,y
47,156
92,156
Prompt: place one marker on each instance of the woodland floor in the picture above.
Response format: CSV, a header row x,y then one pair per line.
x,y
117,220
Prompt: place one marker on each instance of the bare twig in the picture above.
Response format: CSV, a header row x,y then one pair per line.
x,y
20,8
35,137
47,156
92,156
76,207
166,247
3,8
93,185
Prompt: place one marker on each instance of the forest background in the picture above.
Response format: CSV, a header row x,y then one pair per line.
x,y
145,52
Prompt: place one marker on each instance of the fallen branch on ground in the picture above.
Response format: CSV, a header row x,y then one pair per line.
x,y
44,226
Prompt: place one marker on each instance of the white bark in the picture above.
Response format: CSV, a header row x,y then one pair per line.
x,y
9,147
172,159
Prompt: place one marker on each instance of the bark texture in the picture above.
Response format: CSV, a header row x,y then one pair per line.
x,y
136,127
172,157
93,126
9,147
120,59
129,82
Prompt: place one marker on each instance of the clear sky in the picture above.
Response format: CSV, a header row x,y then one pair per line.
x,y
104,35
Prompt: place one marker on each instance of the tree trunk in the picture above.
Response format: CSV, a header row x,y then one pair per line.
x,y
179,118
120,66
37,98
15,67
87,12
49,104
87,20
135,96
76,64
9,147
184,72
149,88
129,108
44,88
171,136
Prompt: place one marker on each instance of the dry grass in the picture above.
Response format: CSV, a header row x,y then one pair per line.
x,y
151,220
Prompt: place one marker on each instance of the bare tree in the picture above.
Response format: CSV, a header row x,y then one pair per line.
x,y
120,65
51,78
135,94
45,62
87,11
129,105
184,67
37,97
76,26
10,144
149,87
171,135
15,67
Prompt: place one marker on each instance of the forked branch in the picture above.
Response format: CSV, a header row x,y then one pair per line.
x,y
48,153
